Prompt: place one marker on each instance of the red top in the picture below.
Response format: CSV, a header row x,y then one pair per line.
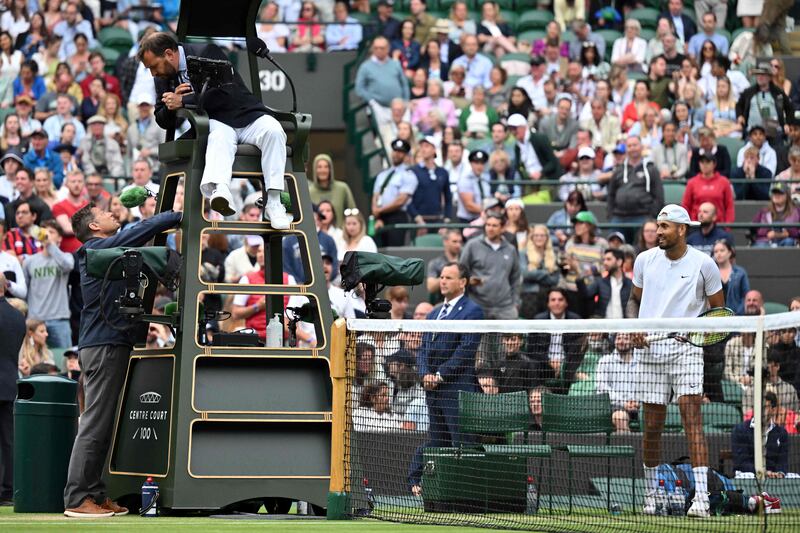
x,y
69,243
716,189
259,320
630,112
111,83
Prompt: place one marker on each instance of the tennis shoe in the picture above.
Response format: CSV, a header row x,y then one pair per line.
x,y
700,508
772,504
275,212
649,503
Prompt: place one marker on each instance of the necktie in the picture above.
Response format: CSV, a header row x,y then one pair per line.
x,y
444,312
518,161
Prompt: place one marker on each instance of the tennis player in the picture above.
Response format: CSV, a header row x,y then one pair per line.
x,y
673,280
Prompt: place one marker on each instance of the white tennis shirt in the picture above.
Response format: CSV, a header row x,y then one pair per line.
x,y
673,289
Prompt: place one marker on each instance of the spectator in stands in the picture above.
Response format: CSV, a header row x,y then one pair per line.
x,y
648,130
408,397
494,269
398,297
585,172
759,176
793,172
392,193
345,33
710,186
34,348
582,261
764,104
459,22
500,170
641,101
457,165
17,19
423,21
776,447
533,85
754,303
27,124
630,49
78,62
779,75
494,35
709,233
406,50
97,71
709,33
325,187
670,156
380,80
24,187
96,193
47,274
11,270
144,135
783,346
452,242
613,378
419,83
473,188
309,36
604,126
384,24
540,271
374,413
11,137
476,66
116,126
740,358
63,115
533,156
513,373
292,263
708,144
659,82
431,202
29,82
561,128
781,208
635,192
614,288
560,222
274,34
433,101
766,154
100,154
68,28
243,260
63,210
685,27
516,227
446,363
251,307
583,34
10,64
773,382
558,355
720,111
354,234
735,281
497,94
477,119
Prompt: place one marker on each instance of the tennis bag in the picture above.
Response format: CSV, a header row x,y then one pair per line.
x,y
723,497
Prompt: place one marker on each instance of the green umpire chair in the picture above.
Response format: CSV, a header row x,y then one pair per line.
x,y
585,415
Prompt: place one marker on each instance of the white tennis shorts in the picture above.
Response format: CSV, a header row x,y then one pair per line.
x,y
669,366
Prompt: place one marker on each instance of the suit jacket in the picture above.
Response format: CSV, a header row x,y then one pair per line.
x,y
604,293
551,168
689,27
232,104
12,327
538,348
452,355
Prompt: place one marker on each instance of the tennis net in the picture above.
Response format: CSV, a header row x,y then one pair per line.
x,y
542,425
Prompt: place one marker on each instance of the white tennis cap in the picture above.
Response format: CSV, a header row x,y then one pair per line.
x,y
517,120
677,214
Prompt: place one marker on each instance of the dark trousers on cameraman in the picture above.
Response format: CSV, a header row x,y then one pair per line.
x,y
103,369
393,237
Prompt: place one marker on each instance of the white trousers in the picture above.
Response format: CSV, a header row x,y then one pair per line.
x,y
265,132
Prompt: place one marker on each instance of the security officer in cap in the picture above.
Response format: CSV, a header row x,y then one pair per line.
x,y
473,187
391,195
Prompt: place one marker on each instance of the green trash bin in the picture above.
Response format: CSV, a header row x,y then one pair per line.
x,y
45,425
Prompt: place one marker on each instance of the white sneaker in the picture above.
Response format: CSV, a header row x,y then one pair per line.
x,y
275,212
699,509
649,503
222,201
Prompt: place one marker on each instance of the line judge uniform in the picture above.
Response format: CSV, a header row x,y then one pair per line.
x,y
236,117
388,184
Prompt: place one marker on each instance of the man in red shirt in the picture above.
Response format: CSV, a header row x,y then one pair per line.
x,y
709,186
98,65
63,210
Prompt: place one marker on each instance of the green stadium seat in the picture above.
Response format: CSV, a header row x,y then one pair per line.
x,y
110,55
732,145
732,392
504,4
360,16
689,12
510,17
526,4
530,36
475,15
534,20
720,417
647,34
569,36
445,5
673,192
773,308
636,75
647,16
725,33
590,414
511,81
429,240
116,38
58,356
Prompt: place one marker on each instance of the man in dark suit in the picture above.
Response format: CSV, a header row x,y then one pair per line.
x,y
236,117
446,363
556,357
684,25
614,289
12,328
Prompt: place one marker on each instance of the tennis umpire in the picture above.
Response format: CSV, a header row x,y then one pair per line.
x,y
673,280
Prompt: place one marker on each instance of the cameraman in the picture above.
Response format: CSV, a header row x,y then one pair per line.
x,y
104,353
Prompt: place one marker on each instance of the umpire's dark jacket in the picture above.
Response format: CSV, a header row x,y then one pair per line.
x,y
232,104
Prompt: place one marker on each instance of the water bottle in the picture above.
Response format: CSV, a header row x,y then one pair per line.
x,y
677,500
275,332
149,498
662,502
532,498
370,496
371,226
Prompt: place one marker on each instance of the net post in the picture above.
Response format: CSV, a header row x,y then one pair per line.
x,y
338,497
758,402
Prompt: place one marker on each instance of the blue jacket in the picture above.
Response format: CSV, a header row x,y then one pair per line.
x,y
292,262
452,355
705,243
738,286
94,331
777,448
604,295
433,196
50,160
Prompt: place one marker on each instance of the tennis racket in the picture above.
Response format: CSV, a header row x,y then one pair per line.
x,y
700,339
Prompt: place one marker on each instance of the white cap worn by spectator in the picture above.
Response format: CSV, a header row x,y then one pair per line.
x,y
516,120
586,151
677,214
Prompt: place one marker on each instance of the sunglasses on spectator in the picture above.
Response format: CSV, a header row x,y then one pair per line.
x,y
351,212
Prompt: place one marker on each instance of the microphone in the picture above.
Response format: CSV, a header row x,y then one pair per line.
x,y
135,196
257,47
